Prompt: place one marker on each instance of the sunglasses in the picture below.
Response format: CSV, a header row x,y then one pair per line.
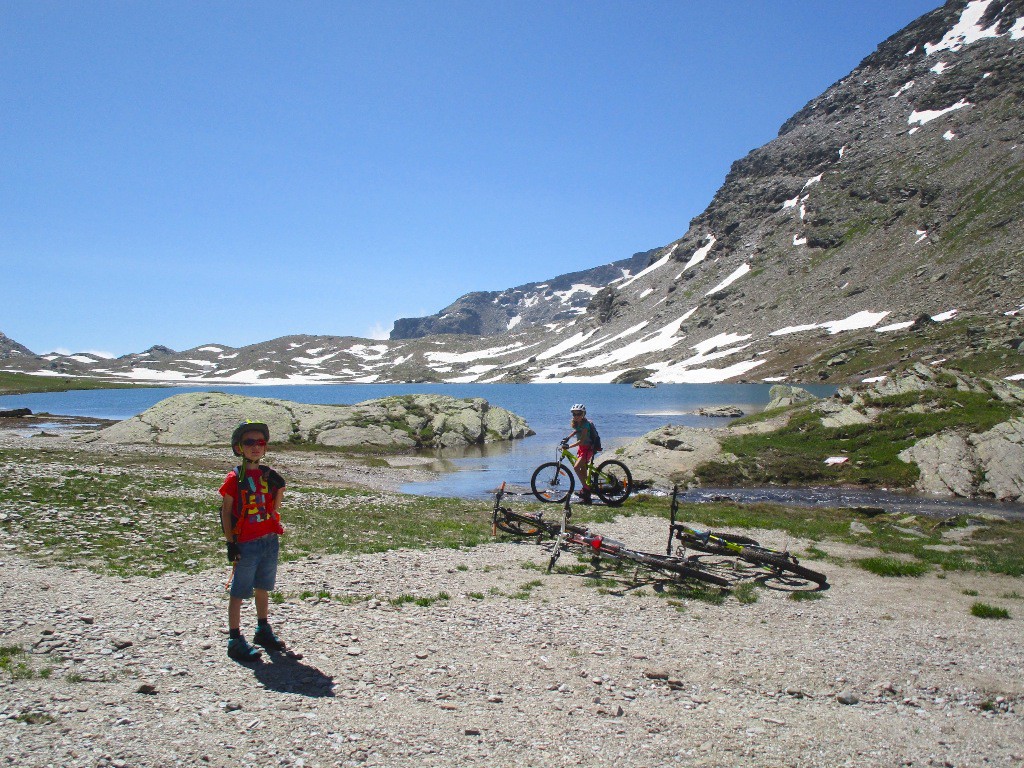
x,y
249,442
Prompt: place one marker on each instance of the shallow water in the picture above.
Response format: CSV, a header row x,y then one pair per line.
x,y
621,413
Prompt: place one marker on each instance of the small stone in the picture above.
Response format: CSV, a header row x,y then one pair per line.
x,y
147,688
656,674
472,731
847,697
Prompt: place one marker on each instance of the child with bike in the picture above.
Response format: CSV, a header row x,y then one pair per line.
x,y
586,446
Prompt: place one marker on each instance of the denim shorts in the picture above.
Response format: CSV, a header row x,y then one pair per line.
x,y
257,568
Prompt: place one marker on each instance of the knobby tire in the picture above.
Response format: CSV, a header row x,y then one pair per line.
x,y
553,482
679,567
781,564
614,482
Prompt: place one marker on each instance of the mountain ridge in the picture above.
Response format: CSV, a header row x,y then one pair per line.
x,y
882,225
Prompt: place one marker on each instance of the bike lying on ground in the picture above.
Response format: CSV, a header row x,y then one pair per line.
x,y
781,566
554,481
568,536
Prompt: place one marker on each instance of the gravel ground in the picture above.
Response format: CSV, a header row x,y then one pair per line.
x,y
565,675
516,667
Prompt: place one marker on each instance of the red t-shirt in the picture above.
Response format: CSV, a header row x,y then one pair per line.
x,y
259,503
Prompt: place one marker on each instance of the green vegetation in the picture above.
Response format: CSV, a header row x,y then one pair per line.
x,y
892,567
996,547
421,601
140,514
800,596
24,383
986,611
745,592
13,661
795,454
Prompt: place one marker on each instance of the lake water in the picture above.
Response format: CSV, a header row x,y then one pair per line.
x,y
621,413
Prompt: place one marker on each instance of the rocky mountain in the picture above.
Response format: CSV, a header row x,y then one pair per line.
x,y
491,313
881,226
9,348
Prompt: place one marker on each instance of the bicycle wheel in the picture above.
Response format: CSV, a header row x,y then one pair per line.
x,y
783,566
519,525
553,482
614,482
676,566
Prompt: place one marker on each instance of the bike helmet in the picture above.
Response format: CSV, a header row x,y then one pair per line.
x,y
578,407
248,426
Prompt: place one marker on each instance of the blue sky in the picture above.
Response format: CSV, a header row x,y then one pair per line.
x,y
209,172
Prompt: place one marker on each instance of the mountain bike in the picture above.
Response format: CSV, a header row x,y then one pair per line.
x,y
570,536
554,481
779,566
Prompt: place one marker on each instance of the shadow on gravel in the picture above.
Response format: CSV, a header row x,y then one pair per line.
x,y
287,674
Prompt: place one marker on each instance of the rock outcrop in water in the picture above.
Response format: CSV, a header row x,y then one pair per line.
x,y
390,423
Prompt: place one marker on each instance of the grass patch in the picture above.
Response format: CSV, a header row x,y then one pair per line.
x,y
986,611
800,595
745,592
13,661
795,454
418,600
971,592
25,383
892,567
704,593
995,547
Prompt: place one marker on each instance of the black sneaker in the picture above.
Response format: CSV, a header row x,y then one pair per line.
x,y
265,636
585,498
240,650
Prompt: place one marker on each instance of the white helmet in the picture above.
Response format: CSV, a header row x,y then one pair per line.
x,y
578,407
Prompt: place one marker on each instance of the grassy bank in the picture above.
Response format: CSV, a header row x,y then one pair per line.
x,y
25,383
134,514
795,454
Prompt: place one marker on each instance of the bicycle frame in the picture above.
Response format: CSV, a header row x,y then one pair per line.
x,y
706,536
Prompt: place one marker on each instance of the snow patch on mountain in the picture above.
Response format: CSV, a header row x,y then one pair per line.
x,y
966,31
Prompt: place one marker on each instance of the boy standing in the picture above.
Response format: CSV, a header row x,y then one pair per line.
x,y
583,431
251,520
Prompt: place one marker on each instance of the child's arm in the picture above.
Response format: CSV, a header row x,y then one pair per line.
x,y
227,504
278,498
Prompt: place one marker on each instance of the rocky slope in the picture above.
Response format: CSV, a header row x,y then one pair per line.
x,y
490,313
882,225
391,423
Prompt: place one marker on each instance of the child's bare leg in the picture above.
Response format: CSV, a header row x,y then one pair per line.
x,y
235,613
581,472
262,597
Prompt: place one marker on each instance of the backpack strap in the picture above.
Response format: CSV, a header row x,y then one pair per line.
x,y
274,483
236,513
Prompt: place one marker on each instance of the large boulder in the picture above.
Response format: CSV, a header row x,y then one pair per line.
x,y
390,423
786,395
670,454
990,463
